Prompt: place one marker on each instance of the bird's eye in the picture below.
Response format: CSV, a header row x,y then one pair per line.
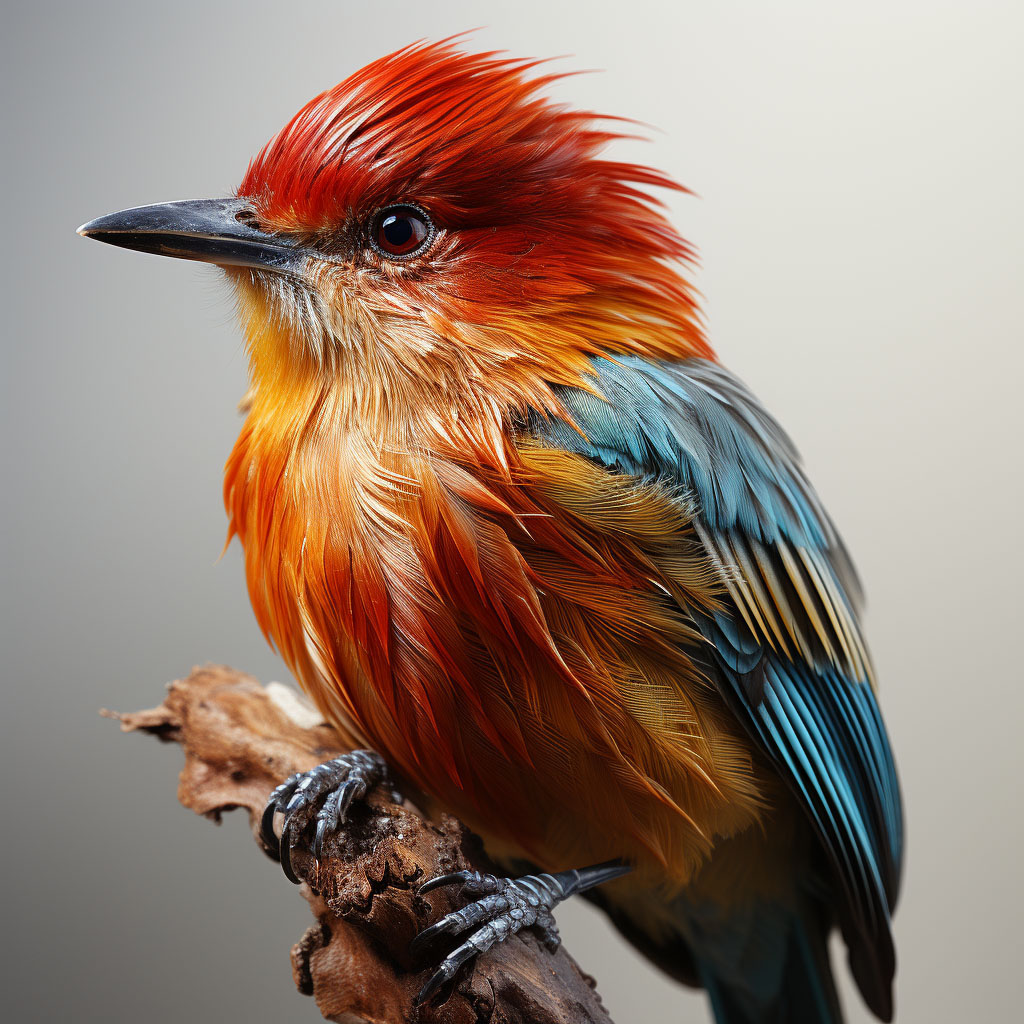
x,y
399,232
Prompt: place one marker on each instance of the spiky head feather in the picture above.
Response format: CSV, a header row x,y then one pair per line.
x,y
547,251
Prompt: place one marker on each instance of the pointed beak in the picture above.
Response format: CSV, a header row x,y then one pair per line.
x,y
220,231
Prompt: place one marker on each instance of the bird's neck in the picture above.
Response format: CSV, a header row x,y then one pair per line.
x,y
330,494
346,470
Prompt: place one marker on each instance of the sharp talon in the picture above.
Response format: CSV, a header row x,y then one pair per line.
x,y
294,823
286,864
267,833
440,880
434,982
317,848
275,803
427,936
348,792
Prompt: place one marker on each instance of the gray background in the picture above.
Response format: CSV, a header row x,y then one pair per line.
x,y
861,227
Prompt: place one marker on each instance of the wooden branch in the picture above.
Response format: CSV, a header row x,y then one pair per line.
x,y
240,740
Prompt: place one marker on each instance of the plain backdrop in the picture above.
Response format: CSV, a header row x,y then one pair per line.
x,y
859,171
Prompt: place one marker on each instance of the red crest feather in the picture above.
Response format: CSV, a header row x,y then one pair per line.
x,y
530,210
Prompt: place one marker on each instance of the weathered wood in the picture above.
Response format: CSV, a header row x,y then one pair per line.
x,y
240,740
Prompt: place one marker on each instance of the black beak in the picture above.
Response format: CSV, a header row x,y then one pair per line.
x,y
220,231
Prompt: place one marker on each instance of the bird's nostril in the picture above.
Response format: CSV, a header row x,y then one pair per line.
x,y
247,216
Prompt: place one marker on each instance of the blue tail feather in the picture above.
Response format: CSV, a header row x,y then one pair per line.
x,y
778,973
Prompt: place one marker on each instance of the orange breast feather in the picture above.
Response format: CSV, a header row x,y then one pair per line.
x,y
509,631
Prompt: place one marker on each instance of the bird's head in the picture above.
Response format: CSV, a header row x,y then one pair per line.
x,y
436,226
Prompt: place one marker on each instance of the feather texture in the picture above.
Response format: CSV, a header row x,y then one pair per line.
x,y
510,524
513,637
787,645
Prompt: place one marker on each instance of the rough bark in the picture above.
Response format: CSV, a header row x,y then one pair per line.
x,y
240,740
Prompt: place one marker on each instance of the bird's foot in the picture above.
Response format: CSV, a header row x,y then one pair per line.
x,y
505,906
335,786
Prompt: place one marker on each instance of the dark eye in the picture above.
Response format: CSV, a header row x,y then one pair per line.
x,y
399,232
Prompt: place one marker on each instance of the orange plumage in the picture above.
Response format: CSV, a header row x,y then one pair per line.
x,y
478,610
512,526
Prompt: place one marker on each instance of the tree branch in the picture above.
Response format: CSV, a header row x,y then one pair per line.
x,y
240,741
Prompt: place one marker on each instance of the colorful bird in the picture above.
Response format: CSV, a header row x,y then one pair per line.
x,y
522,537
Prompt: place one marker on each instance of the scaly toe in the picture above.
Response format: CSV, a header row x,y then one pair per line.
x,y
339,783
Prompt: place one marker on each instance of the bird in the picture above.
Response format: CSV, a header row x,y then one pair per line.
x,y
530,546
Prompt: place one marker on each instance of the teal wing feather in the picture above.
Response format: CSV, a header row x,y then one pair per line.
x,y
788,649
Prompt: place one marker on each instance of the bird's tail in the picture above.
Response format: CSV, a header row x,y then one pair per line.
x,y
781,976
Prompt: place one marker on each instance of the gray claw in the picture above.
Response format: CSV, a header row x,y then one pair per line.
x,y
450,879
434,982
342,781
275,803
506,906
354,788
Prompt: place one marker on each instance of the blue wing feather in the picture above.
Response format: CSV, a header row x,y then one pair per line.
x,y
790,656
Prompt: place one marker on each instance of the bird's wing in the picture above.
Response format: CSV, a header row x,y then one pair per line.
x,y
789,652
